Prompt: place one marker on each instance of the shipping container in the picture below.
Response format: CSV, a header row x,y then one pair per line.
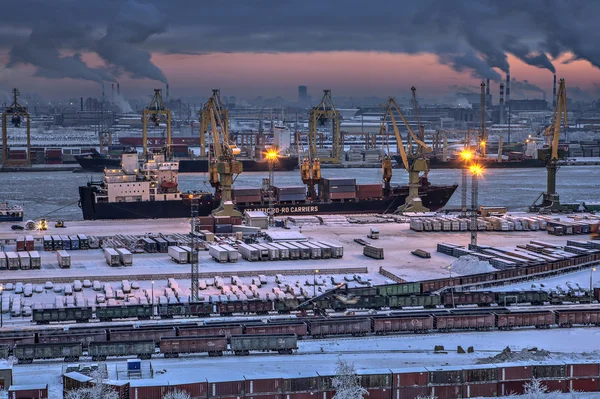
x,y
161,245
480,373
514,372
3,261
84,242
445,375
453,391
66,242
24,260
125,257
409,377
35,260
410,392
218,253
48,243
178,254
578,369
226,389
255,387
306,383
506,388
149,245
173,346
550,370
248,252
337,251
64,259
57,243
29,243
112,257
587,384
192,255
20,243
74,242
487,389
30,391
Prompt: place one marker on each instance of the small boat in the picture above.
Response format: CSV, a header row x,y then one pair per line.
x,y
10,213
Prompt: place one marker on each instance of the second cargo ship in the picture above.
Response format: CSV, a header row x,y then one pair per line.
x,y
152,192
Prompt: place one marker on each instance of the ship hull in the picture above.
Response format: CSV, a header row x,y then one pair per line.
x,y
4,218
435,163
159,142
96,163
433,197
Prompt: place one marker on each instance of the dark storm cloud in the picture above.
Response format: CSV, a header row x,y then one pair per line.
x,y
467,35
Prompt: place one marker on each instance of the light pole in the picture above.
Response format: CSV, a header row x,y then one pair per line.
x,y
271,156
315,283
153,298
466,155
452,288
592,270
1,308
476,171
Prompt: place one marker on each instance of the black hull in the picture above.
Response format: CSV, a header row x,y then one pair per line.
x,y
434,198
97,163
436,163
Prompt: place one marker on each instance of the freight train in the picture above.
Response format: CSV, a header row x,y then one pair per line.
x,y
243,337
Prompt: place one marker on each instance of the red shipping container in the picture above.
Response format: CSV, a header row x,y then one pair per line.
x,y
445,391
194,389
266,396
556,385
225,388
584,369
145,391
409,392
514,372
268,385
487,389
379,393
34,391
508,388
584,385
301,395
411,377
326,395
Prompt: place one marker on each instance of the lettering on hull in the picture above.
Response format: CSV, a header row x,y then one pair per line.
x,y
283,210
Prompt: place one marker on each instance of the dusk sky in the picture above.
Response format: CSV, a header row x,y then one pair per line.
x,y
250,48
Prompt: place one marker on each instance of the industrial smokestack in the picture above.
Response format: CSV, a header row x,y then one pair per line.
x,y
507,88
118,89
487,90
81,104
167,92
483,118
501,103
112,93
554,93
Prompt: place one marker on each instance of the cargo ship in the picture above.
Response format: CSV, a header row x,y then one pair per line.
x,y
97,162
152,192
491,162
10,213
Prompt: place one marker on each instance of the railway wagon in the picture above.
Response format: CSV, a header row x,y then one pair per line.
x,y
46,316
297,328
13,338
142,334
537,298
281,343
390,324
363,302
84,337
231,307
173,346
226,330
286,305
108,313
577,316
101,350
4,351
198,309
456,298
356,326
426,301
26,353
537,319
399,289
464,321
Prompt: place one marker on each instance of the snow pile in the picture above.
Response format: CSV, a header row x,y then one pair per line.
x,y
469,264
524,355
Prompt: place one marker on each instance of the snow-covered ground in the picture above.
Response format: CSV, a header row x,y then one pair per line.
x,y
366,353
577,281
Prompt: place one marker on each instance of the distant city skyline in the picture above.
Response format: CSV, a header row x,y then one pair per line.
x,y
65,49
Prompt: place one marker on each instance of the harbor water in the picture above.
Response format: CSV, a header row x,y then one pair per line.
x,y
54,195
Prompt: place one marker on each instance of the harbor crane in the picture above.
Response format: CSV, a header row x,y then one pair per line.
x,y
16,112
551,154
223,165
414,160
323,111
223,114
155,113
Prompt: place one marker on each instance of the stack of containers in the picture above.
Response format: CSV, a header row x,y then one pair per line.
x,y
246,194
17,154
326,389
54,155
480,380
337,189
289,193
263,388
410,382
513,377
553,374
367,191
583,376
372,155
222,225
377,382
300,387
20,243
226,388
206,223
445,381
29,243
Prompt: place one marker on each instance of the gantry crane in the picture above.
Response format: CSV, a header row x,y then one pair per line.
x,y
156,112
325,110
223,165
551,154
414,161
16,111
221,111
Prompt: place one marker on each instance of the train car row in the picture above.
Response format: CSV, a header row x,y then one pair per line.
x,y
240,345
440,320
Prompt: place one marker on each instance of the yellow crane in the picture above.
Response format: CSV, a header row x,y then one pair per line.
x,y
156,112
325,110
205,119
414,161
223,165
551,154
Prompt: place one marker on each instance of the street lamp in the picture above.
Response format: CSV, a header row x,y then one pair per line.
x,y
1,307
592,270
466,155
476,170
153,298
315,283
271,156
452,288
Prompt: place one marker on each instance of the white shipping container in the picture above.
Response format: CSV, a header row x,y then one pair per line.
x,y
273,252
218,253
192,255
24,260
125,257
3,261
248,252
232,253
112,257
64,259
337,251
284,252
178,254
